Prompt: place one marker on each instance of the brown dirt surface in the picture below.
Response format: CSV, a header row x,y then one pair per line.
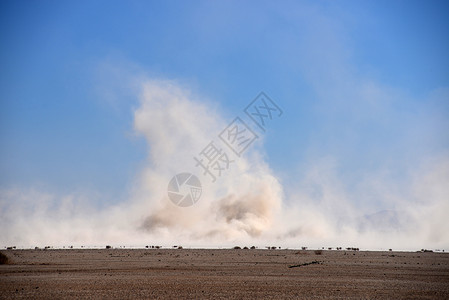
x,y
223,274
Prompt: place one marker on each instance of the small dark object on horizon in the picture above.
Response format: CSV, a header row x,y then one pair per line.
x,y
352,248
237,247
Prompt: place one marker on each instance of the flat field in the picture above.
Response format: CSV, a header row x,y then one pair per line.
x,y
223,274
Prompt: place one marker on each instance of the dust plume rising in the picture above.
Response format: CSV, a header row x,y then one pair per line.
x,y
246,205
242,203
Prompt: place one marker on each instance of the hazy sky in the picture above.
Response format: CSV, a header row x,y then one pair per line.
x,y
364,86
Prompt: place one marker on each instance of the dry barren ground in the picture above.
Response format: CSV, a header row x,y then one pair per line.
x,y
223,274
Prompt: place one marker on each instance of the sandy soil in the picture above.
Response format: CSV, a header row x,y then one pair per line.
x,y
223,274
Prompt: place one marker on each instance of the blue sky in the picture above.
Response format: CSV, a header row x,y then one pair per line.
x,y
362,83
57,130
